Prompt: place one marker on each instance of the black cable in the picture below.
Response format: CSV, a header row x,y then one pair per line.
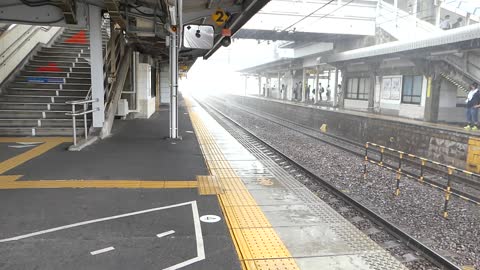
x,y
286,28
34,22
37,4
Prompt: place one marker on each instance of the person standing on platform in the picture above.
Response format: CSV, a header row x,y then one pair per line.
x,y
320,91
300,89
473,103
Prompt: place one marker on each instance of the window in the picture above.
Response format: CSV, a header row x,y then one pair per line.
x,y
358,88
412,89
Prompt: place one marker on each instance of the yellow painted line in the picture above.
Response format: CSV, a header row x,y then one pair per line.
x,y
257,244
121,184
30,154
35,139
9,178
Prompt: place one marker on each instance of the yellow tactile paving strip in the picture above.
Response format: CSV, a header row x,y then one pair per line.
x,y
208,185
258,245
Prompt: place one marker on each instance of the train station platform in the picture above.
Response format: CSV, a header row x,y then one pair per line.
x,y
445,143
135,200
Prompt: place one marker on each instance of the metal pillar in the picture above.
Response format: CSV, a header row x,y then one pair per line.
x,y
335,89
303,92
317,91
96,64
246,83
278,86
259,85
173,86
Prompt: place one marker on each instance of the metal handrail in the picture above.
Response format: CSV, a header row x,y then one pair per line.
x,y
83,112
27,34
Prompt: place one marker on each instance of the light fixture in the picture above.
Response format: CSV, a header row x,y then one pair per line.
x,y
444,52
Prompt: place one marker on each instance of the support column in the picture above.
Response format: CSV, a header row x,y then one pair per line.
x,y
335,89
341,101
96,65
432,100
278,86
173,86
303,92
246,84
317,91
259,85
371,91
438,13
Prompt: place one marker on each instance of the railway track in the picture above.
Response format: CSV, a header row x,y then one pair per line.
x,y
407,240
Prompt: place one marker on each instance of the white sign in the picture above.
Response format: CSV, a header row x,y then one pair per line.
x,y
210,218
391,87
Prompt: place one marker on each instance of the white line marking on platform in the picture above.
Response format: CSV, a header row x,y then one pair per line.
x,y
160,235
103,250
99,220
199,238
20,146
28,143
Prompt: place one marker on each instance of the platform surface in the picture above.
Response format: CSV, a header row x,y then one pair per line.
x,y
363,113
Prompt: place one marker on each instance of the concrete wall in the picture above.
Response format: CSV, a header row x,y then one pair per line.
x,y
146,103
18,42
164,84
434,143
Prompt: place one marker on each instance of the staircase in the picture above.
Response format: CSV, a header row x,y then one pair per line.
x,y
33,103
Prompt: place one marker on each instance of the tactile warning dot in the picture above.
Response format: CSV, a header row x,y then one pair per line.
x,y
381,261
263,243
276,264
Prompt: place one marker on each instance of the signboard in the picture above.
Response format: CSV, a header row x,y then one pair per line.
x,y
220,17
391,87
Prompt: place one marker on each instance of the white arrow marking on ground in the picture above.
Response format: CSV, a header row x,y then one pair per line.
x,y
160,235
103,250
20,146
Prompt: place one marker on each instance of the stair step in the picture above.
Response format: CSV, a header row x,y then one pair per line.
x,y
53,79
55,74
85,70
38,98
34,106
41,122
60,64
70,45
14,114
61,54
48,92
42,131
53,86
60,59
65,49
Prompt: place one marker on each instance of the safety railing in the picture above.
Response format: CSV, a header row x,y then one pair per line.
x,y
83,112
417,168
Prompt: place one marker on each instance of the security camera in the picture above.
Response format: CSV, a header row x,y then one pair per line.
x,y
226,41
